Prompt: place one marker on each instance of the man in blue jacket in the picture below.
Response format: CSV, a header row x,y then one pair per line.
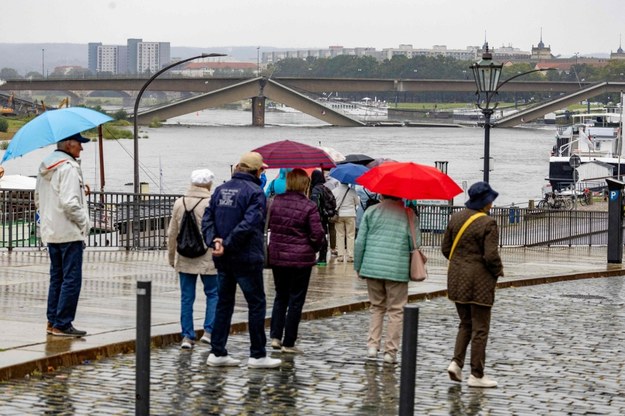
x,y
233,225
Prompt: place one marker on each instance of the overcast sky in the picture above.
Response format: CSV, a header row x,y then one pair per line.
x,y
569,26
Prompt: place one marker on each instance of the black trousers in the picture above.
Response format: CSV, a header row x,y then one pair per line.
x,y
291,288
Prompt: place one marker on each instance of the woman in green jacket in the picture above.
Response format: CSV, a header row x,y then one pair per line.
x,y
382,257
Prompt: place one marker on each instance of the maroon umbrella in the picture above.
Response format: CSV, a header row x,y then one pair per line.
x,y
289,154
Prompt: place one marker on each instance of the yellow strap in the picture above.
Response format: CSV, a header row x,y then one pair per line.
x,y
464,227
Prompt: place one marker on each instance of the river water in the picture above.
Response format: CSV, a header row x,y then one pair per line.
x,y
216,138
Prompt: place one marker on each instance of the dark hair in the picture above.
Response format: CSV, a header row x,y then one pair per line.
x,y
394,198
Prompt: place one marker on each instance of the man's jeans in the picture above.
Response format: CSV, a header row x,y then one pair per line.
x,y
65,282
187,298
251,283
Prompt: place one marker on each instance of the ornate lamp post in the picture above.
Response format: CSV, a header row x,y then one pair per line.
x,y
486,73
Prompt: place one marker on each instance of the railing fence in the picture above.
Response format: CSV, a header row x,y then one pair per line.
x,y
114,217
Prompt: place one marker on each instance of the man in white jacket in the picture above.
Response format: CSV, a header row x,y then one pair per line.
x,y
61,201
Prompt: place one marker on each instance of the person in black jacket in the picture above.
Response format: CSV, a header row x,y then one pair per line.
x,y
233,226
326,204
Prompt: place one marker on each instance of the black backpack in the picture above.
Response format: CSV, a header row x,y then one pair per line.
x,y
329,202
190,241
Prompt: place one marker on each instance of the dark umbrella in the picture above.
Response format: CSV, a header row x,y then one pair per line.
x,y
289,154
357,158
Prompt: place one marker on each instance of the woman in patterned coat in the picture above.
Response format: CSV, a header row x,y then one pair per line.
x,y
474,268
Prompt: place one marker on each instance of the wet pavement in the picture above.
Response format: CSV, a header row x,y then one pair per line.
x,y
557,351
554,348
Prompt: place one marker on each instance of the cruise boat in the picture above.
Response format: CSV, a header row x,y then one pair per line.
x,y
366,109
593,137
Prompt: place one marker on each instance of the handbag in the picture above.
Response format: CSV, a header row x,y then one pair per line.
x,y
418,271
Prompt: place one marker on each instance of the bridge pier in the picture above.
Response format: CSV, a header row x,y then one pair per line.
x,y
258,111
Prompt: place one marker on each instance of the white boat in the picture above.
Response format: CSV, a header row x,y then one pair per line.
x,y
592,137
367,109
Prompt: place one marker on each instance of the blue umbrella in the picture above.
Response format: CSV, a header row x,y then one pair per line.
x,y
348,172
51,127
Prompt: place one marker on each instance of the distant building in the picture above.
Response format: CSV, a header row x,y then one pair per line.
x,y
136,57
541,52
619,54
207,69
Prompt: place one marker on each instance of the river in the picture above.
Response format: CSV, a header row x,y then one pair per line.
x,y
216,138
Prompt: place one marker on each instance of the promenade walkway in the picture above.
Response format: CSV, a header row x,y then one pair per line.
x,y
107,307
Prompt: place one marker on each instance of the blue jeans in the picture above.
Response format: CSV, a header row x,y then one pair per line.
x,y
187,298
65,282
291,288
251,283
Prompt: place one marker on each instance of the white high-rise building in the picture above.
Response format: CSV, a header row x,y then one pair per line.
x,y
152,56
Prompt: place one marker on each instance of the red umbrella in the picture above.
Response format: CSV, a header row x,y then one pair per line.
x,y
410,181
289,154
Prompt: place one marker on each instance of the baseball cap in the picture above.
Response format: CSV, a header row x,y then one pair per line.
x,y
252,160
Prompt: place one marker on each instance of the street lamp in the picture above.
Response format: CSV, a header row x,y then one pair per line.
x,y
136,109
486,73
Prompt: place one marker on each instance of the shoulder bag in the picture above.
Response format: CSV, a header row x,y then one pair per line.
x,y
418,271
335,217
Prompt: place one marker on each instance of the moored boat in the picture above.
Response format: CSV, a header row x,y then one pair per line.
x,y
593,137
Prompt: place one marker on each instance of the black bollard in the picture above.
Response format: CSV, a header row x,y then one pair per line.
x,y
408,360
142,348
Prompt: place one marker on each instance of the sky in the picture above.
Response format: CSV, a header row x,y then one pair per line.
x,y
568,26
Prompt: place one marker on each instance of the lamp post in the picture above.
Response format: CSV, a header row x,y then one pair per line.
x,y
486,73
136,109
43,58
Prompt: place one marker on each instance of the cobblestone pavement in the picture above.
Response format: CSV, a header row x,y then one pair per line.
x,y
555,349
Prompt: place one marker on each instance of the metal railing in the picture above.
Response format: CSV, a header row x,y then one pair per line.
x,y
113,216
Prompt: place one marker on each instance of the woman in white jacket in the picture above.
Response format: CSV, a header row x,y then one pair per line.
x,y
198,196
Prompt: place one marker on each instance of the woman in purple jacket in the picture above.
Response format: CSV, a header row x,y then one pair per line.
x,y
296,237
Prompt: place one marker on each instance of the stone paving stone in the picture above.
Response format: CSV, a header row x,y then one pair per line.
x,y
551,355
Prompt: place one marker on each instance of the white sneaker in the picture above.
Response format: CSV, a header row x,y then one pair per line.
x,y
225,361
484,382
206,338
186,343
372,353
390,358
264,362
455,372
276,344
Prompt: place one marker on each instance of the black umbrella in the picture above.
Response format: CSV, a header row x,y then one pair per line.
x,y
358,159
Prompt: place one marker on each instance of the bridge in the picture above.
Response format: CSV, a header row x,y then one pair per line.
x,y
540,110
291,92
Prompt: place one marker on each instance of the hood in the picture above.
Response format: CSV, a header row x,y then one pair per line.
x,y
52,162
283,172
316,178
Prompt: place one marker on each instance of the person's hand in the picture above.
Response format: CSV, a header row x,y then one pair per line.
x,y
218,247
